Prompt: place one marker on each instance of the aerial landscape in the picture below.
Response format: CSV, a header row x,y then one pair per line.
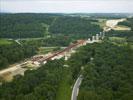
x,y
66,50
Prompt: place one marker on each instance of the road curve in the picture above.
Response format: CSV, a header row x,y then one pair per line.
x,y
76,88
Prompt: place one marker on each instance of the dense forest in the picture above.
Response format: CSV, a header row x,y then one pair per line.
x,y
125,34
14,52
23,25
36,25
39,84
74,25
47,42
108,76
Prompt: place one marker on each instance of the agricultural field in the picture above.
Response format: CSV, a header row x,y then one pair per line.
x,y
5,42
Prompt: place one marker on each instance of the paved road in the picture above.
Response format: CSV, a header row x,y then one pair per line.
x,y
76,88
17,41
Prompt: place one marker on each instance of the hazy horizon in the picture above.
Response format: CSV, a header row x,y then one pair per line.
x,y
66,6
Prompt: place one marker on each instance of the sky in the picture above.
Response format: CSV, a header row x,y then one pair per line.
x,y
66,6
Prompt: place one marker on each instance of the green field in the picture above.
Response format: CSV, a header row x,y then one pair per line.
x,y
64,91
4,41
117,39
45,50
120,41
101,23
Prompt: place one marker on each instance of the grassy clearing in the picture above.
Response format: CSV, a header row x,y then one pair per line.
x,y
117,39
131,46
44,50
64,91
101,23
120,41
5,42
46,32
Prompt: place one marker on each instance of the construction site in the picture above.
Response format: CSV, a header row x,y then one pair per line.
x,y
36,61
